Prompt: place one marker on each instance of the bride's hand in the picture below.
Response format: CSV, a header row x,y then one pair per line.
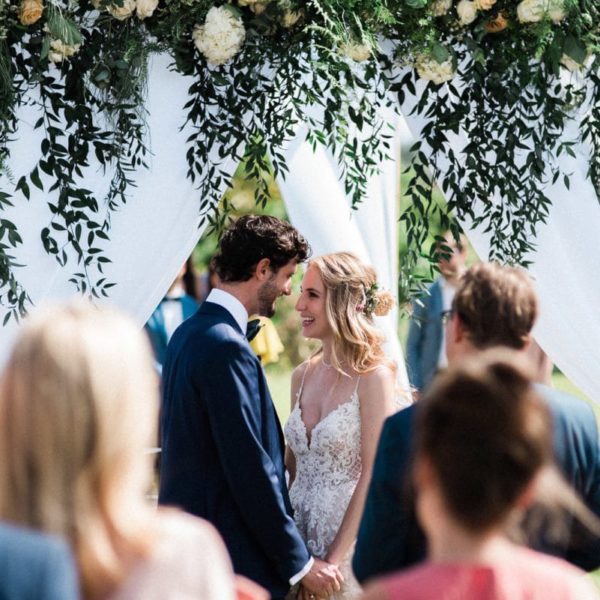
x,y
306,594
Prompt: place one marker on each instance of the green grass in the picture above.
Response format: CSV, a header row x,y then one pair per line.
x,y
279,385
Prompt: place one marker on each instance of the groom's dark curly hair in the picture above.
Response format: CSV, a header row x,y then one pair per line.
x,y
252,238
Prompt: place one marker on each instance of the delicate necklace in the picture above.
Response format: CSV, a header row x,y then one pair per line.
x,y
326,364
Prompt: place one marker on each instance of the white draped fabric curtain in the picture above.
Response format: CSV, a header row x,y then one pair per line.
x,y
155,231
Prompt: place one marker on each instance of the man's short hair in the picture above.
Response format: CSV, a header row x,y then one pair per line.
x,y
497,305
252,238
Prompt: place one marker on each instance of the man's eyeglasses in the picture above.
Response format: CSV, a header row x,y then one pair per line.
x,y
447,315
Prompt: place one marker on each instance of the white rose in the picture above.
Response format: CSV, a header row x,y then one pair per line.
x,y
556,10
467,11
532,11
221,37
122,12
145,8
357,52
441,7
59,50
431,70
258,8
484,4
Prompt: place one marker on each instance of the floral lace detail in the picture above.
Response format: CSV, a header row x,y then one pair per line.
x,y
328,467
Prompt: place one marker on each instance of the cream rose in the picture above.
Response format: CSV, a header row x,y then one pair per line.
x,y
59,50
145,8
532,11
258,8
357,52
484,4
556,10
467,11
122,12
290,18
431,70
441,7
30,11
221,37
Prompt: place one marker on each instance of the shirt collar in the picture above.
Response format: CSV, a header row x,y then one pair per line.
x,y
231,304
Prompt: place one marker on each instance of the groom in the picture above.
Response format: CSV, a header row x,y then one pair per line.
x,y
222,445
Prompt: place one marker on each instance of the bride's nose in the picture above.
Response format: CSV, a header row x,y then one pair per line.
x,y
300,303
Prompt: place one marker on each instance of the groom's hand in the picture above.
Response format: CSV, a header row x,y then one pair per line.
x,y
323,580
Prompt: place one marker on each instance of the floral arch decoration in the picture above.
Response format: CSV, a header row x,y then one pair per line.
x,y
508,74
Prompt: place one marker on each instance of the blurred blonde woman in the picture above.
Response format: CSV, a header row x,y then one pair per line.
x,y
340,398
78,402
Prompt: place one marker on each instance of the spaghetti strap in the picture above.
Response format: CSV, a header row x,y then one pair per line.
x,y
299,393
356,386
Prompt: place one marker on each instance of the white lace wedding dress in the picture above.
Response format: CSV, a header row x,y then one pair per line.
x,y
328,467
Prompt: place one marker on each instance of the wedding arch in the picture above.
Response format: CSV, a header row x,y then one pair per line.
x,y
502,94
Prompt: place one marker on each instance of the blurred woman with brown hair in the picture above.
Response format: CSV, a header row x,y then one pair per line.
x,y
78,402
483,453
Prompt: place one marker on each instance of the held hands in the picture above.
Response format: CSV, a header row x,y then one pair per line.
x,y
322,581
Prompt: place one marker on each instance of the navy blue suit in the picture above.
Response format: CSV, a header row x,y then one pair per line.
x,y
222,448
425,335
35,566
390,537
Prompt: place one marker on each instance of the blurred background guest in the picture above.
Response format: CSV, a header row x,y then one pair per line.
x,y
34,566
483,450
180,303
425,346
78,403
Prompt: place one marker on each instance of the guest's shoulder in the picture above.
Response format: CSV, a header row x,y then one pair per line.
x,y
555,576
401,420
299,372
571,411
421,582
28,543
182,528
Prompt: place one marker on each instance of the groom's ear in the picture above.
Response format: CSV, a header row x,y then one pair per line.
x,y
262,271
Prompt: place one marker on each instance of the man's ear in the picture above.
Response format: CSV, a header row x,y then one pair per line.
x,y
456,329
263,270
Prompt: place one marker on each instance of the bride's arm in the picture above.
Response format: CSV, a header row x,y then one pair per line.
x,y
290,459
376,394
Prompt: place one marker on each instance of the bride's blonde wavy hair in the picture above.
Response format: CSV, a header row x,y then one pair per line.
x,y
350,284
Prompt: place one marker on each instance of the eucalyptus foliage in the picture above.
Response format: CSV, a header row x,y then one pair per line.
x,y
260,68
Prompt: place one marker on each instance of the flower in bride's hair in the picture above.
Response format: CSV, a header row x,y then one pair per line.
x,y
384,303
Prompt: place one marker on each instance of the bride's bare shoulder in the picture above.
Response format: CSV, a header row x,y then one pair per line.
x,y
299,372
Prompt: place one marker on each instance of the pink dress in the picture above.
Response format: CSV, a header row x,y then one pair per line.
x,y
527,575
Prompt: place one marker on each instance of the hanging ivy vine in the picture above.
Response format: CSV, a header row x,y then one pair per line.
x,y
497,74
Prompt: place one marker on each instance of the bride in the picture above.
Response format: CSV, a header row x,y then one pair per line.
x,y
340,398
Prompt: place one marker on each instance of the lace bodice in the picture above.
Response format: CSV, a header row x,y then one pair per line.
x,y
328,466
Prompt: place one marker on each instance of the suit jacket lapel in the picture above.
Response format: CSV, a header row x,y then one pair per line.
x,y
218,311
